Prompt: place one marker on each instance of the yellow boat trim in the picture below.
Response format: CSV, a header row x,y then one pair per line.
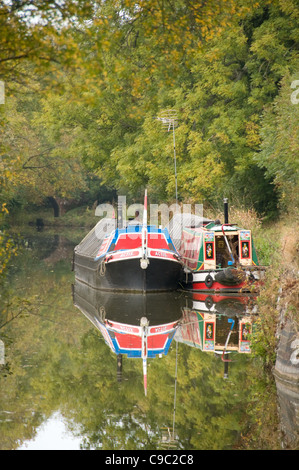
x,y
198,269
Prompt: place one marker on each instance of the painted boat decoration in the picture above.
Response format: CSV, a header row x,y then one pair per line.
x,y
220,257
132,257
219,324
131,324
139,341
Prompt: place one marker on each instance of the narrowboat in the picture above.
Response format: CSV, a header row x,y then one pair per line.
x,y
220,257
133,257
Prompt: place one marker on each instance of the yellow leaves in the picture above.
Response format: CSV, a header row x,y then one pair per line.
x,y
4,208
7,246
213,54
223,137
253,139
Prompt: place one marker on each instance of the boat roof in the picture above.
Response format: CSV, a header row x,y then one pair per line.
x,y
90,244
181,221
214,227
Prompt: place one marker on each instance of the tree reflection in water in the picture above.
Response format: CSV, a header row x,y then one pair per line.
x,y
58,361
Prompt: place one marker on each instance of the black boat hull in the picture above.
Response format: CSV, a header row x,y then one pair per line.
x,y
127,275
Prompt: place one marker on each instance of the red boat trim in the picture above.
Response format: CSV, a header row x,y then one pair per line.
x,y
217,297
217,286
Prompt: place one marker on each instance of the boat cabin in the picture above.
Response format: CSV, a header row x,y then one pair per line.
x,y
217,246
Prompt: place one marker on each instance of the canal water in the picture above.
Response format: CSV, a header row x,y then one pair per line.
x,y
74,373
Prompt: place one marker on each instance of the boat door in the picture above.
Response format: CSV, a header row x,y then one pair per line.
x,y
209,250
245,251
245,329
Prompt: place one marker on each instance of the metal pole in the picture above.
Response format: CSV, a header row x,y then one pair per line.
x,y
168,119
175,383
225,204
175,173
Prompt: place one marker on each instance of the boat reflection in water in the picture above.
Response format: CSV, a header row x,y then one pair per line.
x,y
144,325
218,323
136,325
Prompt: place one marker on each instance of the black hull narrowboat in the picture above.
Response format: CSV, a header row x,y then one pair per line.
x,y
136,257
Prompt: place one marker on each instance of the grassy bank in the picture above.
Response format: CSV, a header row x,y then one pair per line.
x,y
279,297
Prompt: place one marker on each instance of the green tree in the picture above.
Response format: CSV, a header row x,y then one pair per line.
x,y
280,144
218,79
119,64
41,167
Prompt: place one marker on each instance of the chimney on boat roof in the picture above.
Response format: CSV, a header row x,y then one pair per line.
x,y
225,202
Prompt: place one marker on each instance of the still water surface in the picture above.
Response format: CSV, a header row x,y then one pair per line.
x,y
74,376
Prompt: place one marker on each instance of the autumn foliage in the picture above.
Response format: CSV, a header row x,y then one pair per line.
x,y
86,80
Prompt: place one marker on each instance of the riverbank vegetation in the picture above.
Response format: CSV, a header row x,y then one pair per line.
x,y
86,81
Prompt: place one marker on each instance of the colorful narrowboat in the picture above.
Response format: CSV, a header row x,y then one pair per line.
x,y
132,257
220,257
